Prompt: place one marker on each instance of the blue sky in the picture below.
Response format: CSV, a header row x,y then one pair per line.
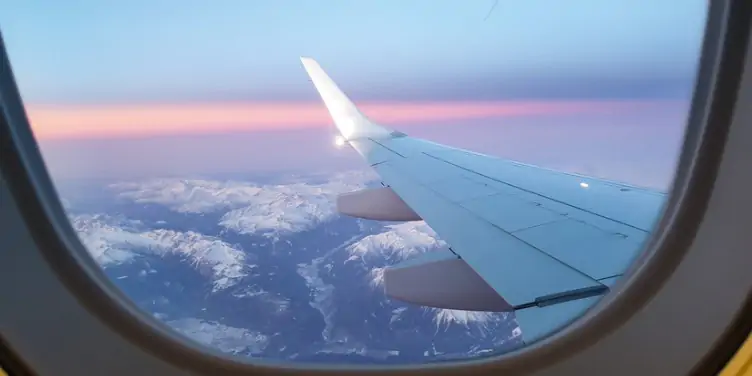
x,y
156,50
80,56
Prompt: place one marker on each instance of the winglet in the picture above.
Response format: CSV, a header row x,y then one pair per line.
x,y
349,120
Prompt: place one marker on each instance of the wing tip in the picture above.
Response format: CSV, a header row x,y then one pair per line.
x,y
308,61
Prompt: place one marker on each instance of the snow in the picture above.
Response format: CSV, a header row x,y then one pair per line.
x,y
322,292
403,241
376,278
111,241
271,210
225,338
446,317
249,208
322,296
400,241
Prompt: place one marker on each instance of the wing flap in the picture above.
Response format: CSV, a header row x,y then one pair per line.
x,y
441,279
380,204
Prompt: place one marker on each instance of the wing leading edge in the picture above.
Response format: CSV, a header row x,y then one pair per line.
x,y
542,243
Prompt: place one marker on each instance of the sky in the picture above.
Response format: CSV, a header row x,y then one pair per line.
x,y
149,87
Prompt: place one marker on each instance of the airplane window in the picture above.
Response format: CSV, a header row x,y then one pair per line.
x,y
371,182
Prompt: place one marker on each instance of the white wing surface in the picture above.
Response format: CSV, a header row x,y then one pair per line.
x,y
543,243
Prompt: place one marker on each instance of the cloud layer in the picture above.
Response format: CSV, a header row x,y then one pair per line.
x,y
267,209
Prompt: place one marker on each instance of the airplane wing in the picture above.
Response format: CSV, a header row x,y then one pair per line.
x,y
543,243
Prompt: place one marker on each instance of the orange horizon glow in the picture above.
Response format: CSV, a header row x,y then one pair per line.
x,y
113,121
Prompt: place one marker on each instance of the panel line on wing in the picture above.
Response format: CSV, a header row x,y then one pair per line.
x,y
533,246
617,184
564,218
534,193
472,213
386,147
419,196
512,233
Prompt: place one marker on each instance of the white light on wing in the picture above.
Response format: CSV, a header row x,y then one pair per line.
x,y
346,126
339,141
584,185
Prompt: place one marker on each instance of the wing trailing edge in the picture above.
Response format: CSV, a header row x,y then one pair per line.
x,y
443,280
379,204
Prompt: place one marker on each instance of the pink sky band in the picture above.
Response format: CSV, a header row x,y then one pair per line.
x,y
118,121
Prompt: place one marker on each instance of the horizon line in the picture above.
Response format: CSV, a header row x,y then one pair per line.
x,y
126,120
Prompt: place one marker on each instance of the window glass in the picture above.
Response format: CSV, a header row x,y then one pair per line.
x,y
201,169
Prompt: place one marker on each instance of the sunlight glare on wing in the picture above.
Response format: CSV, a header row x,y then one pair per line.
x,y
346,125
339,141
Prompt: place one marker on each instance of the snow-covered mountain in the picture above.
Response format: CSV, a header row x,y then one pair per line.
x,y
249,208
112,241
225,338
286,277
397,242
